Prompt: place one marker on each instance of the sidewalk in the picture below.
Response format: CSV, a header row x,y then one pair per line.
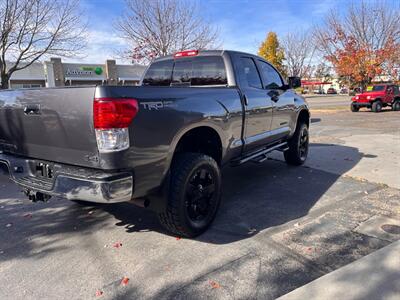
x,y
375,276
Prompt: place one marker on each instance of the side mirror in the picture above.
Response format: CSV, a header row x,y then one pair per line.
x,y
294,82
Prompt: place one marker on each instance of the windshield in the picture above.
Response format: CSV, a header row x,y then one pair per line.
x,y
376,88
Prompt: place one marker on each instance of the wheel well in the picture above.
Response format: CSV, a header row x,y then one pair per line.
x,y
201,140
304,116
376,100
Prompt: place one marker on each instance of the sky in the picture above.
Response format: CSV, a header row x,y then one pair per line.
x,y
242,24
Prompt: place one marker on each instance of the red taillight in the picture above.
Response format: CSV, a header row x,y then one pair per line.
x,y
186,53
111,113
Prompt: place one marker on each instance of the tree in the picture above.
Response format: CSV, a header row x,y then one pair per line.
x,y
323,72
31,29
298,51
161,27
272,52
363,43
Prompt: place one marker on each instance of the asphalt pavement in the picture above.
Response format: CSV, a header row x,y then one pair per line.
x,y
328,101
278,228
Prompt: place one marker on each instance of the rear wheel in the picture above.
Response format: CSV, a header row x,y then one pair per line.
x,y
298,146
377,106
396,105
354,108
194,195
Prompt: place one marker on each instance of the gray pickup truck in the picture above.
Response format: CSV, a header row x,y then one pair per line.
x,y
159,145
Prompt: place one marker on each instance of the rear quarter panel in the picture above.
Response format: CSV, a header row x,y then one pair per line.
x,y
165,115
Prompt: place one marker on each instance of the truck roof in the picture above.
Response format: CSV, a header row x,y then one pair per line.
x,y
204,53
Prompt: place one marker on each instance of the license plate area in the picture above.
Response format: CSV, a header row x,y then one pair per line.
x,y
44,170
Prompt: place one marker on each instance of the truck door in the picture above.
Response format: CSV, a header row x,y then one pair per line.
x,y
283,112
257,105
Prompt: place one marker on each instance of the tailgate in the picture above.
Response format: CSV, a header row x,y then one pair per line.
x,y
49,124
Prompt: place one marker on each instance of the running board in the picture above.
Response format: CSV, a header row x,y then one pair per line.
x,y
261,155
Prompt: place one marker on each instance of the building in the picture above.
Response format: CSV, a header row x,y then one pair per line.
x,y
56,73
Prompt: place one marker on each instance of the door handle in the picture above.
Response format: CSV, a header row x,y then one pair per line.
x,y
32,109
274,95
275,98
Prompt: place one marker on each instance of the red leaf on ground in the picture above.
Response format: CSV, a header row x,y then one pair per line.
x,y
125,281
214,284
27,216
99,293
178,238
309,249
117,245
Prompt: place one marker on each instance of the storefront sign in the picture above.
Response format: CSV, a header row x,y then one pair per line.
x,y
84,71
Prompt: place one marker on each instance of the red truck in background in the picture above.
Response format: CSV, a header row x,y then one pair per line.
x,y
377,97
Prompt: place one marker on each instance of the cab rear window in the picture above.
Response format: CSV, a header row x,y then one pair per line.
x,y
193,71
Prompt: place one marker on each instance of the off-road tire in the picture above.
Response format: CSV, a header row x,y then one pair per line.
x,y
396,105
294,155
354,108
176,218
377,106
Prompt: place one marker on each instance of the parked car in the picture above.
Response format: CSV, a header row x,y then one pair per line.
x,y
377,97
319,91
331,91
344,91
159,145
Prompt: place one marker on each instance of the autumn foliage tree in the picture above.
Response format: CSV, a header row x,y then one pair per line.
x,y
271,50
362,44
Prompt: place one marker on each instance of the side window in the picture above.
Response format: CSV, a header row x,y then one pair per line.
x,y
271,78
250,73
159,73
396,89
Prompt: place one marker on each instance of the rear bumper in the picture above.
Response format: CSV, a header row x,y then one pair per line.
x,y
69,182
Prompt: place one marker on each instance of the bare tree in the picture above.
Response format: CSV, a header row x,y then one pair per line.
x,y
160,27
363,42
31,29
299,51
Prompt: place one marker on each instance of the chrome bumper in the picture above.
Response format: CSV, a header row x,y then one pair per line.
x,y
69,182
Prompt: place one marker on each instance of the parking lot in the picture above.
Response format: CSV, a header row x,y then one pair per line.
x,y
279,227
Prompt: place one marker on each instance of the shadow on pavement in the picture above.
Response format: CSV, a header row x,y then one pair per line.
x,y
255,197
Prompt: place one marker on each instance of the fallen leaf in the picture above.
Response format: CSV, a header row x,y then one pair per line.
x,y
99,293
117,245
214,284
309,249
1,206
178,238
1,252
90,212
27,216
124,281
9,225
